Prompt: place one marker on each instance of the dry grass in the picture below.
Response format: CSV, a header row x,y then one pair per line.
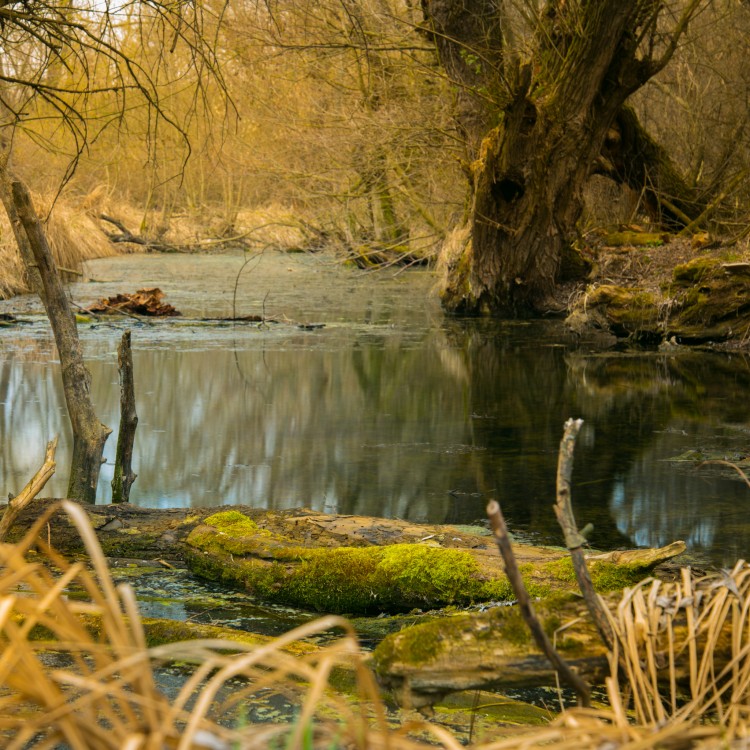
x,y
682,649
73,234
105,695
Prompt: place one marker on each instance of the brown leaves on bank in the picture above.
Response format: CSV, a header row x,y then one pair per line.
x,y
143,302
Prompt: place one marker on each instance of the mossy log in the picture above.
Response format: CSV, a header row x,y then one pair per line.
x,y
493,650
487,650
358,565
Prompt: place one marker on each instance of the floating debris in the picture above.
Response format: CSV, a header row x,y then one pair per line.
x,y
143,302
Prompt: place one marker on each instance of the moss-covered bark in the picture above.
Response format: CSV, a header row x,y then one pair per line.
x,y
232,548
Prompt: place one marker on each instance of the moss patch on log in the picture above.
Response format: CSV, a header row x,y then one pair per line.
x,y
232,548
351,580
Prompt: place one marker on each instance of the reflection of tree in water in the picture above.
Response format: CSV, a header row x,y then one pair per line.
x,y
659,499
368,428
424,427
522,391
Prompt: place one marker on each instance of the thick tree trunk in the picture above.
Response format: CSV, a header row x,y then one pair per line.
x,y
89,434
554,114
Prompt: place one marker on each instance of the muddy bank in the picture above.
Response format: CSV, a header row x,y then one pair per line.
x,y
667,296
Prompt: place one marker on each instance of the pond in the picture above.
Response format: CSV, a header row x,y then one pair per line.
x,y
363,398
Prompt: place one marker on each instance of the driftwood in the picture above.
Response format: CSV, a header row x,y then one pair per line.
x,y
124,475
30,491
125,235
146,302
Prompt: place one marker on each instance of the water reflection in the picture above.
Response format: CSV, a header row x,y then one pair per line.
x,y
423,424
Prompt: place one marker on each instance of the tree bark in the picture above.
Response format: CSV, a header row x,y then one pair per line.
x,y
89,434
632,157
124,475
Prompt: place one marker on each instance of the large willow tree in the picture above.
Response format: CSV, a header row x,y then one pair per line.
x,y
542,94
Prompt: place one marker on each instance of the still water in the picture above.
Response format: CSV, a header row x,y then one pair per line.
x,y
389,409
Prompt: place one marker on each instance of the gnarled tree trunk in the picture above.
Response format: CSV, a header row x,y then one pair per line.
x,y
557,82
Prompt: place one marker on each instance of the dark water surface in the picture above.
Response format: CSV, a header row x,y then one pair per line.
x,y
390,409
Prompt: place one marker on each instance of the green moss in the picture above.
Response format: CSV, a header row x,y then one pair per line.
x,y
351,580
235,523
367,580
636,239
418,644
608,576
694,270
605,576
514,629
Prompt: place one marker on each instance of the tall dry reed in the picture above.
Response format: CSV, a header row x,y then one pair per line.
x,y
74,236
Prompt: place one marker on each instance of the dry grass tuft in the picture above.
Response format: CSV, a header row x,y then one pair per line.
x,y
100,691
276,226
89,682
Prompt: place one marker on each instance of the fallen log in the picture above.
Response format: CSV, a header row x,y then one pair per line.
x,y
491,650
355,565
272,554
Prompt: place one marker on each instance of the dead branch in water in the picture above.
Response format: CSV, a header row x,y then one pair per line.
x,y
30,491
124,475
574,540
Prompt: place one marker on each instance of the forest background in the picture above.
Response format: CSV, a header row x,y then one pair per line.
x,y
307,125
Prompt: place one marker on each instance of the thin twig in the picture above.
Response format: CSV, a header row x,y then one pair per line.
x,y
497,521
574,540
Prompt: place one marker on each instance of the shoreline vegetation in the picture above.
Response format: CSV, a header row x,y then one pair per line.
x,y
643,289
671,654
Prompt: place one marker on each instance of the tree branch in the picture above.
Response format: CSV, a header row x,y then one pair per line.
x,y
574,540
502,538
30,491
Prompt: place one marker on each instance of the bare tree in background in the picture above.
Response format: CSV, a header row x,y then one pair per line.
x,y
74,59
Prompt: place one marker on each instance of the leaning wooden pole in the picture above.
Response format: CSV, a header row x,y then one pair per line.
x,y
89,434
502,539
124,476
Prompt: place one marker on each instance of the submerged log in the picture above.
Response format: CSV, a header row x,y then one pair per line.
x,y
494,650
487,651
